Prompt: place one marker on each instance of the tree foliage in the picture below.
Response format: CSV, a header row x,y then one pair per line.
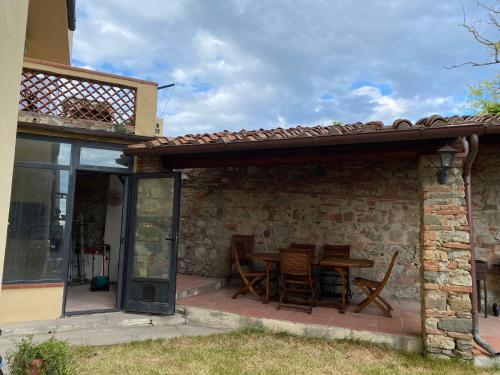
x,y
485,97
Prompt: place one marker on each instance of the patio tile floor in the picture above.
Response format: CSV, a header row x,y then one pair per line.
x,y
489,329
405,320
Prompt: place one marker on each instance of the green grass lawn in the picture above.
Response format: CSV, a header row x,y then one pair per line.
x,y
256,352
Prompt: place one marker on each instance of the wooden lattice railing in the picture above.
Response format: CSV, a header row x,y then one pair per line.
x,y
77,98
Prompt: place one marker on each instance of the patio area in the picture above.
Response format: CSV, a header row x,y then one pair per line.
x,y
489,328
378,206
405,323
405,320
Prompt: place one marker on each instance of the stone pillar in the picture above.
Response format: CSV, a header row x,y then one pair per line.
x,y
445,254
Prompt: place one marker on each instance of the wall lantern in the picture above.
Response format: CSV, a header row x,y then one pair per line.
x,y
446,158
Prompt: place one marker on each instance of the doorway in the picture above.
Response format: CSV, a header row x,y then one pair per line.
x,y
95,258
152,243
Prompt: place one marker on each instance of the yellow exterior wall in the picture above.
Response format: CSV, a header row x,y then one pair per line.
x,y
25,304
13,16
47,34
145,117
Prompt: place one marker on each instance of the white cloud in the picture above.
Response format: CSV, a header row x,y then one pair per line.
x,y
389,107
243,64
384,108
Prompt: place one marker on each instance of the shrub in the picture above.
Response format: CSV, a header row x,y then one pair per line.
x,y
52,357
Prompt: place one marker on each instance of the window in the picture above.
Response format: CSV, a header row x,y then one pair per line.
x,y
37,220
48,152
103,158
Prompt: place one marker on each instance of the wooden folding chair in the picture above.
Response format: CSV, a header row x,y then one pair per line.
x,y
245,245
296,277
249,277
329,277
372,290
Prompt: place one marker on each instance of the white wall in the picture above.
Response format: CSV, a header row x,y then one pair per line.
x,y
113,223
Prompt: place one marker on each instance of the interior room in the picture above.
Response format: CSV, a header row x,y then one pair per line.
x,y
95,251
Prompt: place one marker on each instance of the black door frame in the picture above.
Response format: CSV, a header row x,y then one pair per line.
x,y
72,167
120,288
174,240
76,167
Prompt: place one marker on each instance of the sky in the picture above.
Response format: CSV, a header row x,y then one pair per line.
x,y
241,64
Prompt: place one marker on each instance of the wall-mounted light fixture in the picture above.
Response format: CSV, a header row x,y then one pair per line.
x,y
446,158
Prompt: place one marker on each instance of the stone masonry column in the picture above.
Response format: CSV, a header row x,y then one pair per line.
x,y
445,271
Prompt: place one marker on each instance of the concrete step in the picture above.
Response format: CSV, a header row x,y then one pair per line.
x,y
90,322
109,320
487,362
209,286
225,320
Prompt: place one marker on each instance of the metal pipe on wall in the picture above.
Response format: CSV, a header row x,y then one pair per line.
x,y
470,149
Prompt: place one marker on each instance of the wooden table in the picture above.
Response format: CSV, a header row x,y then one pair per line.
x,y
341,265
270,260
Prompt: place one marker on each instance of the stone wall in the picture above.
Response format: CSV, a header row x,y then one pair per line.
x,y
486,213
91,200
372,206
446,304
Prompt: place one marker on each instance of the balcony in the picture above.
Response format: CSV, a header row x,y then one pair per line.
x,y
88,99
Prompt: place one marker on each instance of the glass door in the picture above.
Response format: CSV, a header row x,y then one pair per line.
x,y
152,251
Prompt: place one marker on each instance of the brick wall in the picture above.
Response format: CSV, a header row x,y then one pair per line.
x,y
486,210
146,164
372,206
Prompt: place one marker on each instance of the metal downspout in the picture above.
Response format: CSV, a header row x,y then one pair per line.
x,y
470,155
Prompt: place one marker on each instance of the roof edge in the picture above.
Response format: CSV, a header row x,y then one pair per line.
x,y
381,136
308,136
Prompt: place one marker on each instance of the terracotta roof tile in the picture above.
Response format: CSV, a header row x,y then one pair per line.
x,y
315,131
